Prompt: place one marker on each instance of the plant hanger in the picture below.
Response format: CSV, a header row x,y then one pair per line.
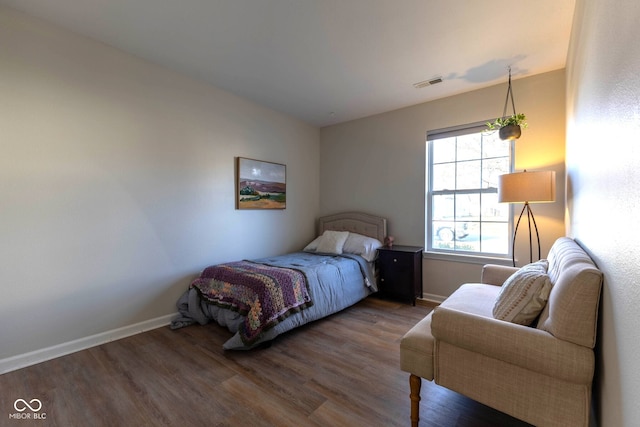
x,y
506,101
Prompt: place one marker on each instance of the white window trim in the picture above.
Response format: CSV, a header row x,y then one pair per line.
x,y
466,257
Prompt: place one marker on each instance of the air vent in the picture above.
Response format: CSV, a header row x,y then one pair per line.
x,y
430,82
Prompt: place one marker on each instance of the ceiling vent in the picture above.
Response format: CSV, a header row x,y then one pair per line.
x,y
430,82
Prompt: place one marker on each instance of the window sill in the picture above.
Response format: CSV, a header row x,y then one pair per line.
x,y
468,259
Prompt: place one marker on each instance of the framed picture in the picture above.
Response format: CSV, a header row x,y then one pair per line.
x,y
260,185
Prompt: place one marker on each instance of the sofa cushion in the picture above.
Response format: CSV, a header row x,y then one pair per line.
x,y
475,298
571,313
524,294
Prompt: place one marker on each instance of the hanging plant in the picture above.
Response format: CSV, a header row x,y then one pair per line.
x,y
510,127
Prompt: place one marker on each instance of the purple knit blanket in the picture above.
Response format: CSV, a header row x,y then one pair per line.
x,y
265,295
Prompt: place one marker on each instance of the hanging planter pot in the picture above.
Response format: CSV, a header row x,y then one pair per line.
x,y
509,127
510,132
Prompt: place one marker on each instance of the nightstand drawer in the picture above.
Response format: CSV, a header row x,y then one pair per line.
x,y
400,261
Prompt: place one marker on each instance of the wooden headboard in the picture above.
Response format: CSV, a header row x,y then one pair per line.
x,y
355,222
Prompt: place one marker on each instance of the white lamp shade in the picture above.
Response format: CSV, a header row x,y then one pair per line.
x,y
532,187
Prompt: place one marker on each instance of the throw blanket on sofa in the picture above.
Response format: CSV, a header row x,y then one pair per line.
x,y
264,294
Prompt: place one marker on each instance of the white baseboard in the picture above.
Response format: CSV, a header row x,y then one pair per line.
x,y
433,298
23,360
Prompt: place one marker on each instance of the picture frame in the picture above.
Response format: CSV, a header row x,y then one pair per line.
x,y
260,184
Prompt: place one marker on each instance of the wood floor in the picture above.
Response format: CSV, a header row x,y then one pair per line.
x,y
339,371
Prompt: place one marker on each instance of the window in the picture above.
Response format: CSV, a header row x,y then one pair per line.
x,y
463,215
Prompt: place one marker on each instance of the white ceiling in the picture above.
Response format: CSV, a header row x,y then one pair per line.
x,y
329,61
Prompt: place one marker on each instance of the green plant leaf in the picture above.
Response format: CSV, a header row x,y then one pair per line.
x,y
515,119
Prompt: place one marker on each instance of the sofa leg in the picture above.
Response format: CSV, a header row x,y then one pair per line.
x,y
415,382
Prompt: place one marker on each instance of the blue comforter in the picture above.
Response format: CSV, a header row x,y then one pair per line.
x,y
335,282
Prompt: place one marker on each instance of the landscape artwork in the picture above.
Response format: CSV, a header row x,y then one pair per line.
x,y
260,185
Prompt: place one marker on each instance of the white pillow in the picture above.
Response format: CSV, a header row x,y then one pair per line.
x,y
332,242
311,247
524,294
361,245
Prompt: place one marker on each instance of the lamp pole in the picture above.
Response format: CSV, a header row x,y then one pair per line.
x,y
530,218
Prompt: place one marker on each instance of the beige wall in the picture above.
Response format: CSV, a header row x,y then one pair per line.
x,y
603,188
377,164
117,185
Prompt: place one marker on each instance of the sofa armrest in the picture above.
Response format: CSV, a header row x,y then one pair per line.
x,y
494,274
519,345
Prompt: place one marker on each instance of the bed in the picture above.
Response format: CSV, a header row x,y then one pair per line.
x,y
257,300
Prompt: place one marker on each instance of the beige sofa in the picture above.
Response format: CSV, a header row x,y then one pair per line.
x,y
541,374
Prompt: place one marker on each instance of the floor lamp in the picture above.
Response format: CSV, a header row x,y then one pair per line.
x,y
527,187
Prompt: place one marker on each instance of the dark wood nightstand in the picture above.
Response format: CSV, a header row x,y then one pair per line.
x,y
400,272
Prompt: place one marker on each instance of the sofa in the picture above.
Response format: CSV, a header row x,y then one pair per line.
x,y
537,366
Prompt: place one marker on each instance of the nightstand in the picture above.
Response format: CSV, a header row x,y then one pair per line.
x,y
400,272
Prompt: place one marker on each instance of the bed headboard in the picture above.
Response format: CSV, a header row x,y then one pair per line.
x,y
355,222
